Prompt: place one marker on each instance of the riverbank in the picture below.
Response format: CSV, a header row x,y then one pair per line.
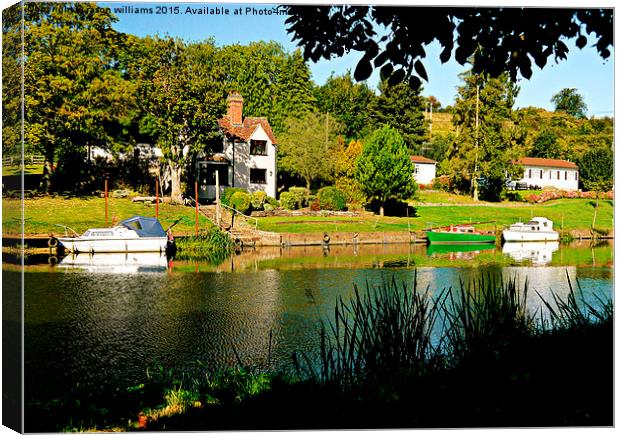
x,y
507,369
572,217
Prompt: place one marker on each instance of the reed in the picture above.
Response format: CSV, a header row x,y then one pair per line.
x,y
215,246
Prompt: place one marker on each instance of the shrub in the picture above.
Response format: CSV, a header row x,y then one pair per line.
x,y
258,200
301,196
288,201
229,192
441,183
240,201
332,198
315,206
272,202
268,207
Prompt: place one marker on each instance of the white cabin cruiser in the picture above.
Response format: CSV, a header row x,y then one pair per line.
x,y
136,234
538,229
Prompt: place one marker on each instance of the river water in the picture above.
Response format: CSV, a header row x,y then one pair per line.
x,y
101,322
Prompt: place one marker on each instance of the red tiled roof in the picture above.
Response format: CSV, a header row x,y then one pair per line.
x,y
553,163
420,159
245,131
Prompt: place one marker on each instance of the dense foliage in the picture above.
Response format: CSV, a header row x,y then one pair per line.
x,y
500,40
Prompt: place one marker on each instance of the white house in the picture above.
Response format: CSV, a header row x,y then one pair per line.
x,y
247,158
541,173
423,170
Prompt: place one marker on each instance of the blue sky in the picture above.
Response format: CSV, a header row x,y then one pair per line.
x,y
584,69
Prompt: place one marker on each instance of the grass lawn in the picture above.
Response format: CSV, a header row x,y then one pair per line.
x,y
16,170
82,213
441,197
567,214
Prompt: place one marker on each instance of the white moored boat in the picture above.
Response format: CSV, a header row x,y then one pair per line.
x,y
136,234
538,229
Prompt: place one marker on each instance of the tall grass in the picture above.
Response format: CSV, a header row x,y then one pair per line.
x,y
376,336
214,246
395,331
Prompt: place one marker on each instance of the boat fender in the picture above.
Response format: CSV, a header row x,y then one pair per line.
x,y
52,242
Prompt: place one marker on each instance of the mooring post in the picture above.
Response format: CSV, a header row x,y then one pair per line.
x,y
217,198
156,198
105,195
196,201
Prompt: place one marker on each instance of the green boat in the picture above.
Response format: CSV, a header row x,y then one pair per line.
x,y
458,234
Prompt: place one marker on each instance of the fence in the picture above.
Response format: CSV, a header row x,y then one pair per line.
x,y
31,159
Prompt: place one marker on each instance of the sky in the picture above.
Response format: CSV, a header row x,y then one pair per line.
x,y
584,70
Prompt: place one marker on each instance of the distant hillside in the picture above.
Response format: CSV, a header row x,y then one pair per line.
x,y
442,123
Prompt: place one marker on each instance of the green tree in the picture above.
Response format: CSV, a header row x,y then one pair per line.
x,y
348,102
345,171
384,169
74,93
308,146
293,91
183,102
546,145
571,102
11,81
486,141
273,83
401,107
596,173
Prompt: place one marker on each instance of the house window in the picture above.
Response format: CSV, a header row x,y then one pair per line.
x,y
541,174
258,176
558,175
566,175
207,174
416,169
258,147
529,173
576,175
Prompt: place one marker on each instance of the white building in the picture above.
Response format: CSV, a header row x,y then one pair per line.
x,y
247,158
541,173
424,169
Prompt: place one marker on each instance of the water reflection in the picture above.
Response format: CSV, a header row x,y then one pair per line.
x,y
537,253
129,262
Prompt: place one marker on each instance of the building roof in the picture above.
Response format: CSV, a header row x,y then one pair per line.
x,y
420,159
245,130
553,163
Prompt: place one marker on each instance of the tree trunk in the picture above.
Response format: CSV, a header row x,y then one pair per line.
x,y
595,210
381,210
46,180
175,178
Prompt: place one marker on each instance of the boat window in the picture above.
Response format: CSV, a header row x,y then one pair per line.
x,y
87,233
101,233
134,225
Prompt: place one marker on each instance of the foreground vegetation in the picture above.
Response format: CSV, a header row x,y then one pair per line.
x,y
393,357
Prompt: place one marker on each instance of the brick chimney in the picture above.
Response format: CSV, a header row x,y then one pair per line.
x,y
235,108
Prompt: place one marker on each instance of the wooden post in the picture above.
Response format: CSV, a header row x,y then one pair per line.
x,y
105,195
156,198
217,198
196,200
